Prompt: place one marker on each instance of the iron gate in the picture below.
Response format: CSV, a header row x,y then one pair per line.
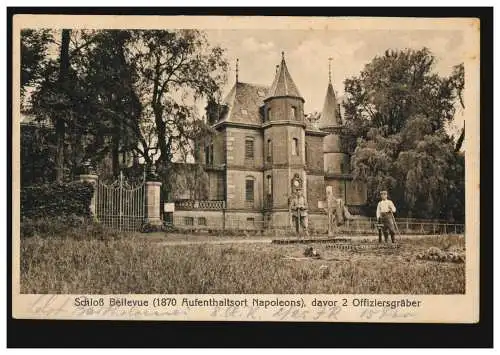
x,y
121,205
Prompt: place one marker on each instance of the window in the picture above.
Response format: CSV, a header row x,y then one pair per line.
x,y
307,154
207,155
269,150
293,113
249,188
188,221
249,148
269,185
269,114
295,146
202,221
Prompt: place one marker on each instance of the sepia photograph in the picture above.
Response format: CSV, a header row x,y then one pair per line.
x,y
247,158
242,161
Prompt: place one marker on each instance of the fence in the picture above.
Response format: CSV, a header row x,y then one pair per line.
x,y
362,226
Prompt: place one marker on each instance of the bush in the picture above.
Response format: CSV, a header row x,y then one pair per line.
x,y
56,200
68,227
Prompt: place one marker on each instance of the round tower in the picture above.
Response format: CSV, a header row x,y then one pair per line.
x,y
284,142
336,160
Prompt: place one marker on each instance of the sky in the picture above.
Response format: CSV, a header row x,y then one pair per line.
x,y
307,53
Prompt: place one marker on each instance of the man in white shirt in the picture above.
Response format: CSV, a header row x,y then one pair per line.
x,y
385,210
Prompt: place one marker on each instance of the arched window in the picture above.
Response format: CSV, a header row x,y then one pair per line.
x,y
269,150
293,113
295,146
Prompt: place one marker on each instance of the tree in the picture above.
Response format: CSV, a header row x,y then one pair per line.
x,y
397,110
86,94
109,109
34,56
396,86
132,91
174,69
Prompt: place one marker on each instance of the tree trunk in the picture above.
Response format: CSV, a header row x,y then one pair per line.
x,y
60,124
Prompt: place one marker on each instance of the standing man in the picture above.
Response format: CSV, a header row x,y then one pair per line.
x,y
385,210
299,212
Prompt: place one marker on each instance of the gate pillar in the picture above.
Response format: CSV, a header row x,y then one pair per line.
x,y
93,202
153,203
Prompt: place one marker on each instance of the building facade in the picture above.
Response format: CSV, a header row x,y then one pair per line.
x,y
265,148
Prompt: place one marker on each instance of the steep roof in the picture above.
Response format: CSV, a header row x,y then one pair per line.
x,y
243,103
330,116
283,84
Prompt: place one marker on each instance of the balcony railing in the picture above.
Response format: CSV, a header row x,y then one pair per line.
x,y
200,204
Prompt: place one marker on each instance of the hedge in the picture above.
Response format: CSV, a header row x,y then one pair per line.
x,y
56,200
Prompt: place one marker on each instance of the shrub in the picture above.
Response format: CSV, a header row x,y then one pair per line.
x,y
68,227
56,200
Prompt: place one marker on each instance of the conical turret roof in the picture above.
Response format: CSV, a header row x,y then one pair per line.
x,y
330,116
283,84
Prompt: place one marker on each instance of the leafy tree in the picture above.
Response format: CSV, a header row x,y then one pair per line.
x,y
396,112
130,91
37,155
34,56
109,110
174,70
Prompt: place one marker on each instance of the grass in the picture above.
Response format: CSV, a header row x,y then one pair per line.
x,y
137,265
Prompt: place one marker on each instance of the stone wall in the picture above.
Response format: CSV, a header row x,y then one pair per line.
x,y
236,198
315,191
337,163
235,148
281,109
314,161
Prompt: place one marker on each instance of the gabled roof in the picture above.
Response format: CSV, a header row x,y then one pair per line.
x,y
283,84
330,116
243,103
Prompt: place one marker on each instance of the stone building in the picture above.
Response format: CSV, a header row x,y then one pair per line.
x,y
264,149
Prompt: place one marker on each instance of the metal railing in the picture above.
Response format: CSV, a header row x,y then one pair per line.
x,y
357,226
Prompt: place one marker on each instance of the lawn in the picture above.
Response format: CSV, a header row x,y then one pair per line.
x,y
132,264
